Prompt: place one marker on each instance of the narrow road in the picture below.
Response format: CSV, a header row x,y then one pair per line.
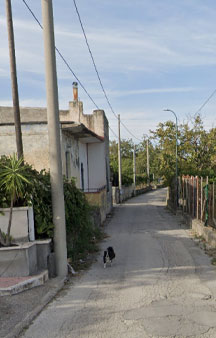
x,y
160,285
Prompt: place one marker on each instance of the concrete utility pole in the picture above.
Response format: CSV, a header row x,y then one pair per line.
x,y
54,140
119,157
176,153
134,167
147,154
14,84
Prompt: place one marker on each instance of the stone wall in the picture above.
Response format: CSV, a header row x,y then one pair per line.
x,y
98,199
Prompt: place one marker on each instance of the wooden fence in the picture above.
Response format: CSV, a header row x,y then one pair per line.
x,y
196,197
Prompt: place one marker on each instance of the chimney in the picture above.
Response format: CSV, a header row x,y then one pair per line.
x,y
75,91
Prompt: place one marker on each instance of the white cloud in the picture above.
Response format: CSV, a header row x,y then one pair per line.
x,y
153,91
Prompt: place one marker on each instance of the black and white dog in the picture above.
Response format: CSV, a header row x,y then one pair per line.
x,y
108,256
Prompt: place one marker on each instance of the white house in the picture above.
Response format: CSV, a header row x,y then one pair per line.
x,y
84,146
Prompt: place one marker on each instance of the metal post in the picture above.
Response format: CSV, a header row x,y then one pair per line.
x,y
119,158
134,167
54,140
14,84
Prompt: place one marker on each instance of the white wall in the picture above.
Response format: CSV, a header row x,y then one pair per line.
x,y
83,158
97,165
70,144
35,144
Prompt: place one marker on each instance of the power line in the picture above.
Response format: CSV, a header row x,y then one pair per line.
x,y
208,99
96,70
62,57
113,132
66,63
71,70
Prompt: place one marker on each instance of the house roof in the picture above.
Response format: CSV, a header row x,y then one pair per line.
x,y
77,130
80,131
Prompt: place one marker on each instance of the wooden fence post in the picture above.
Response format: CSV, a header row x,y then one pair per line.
x,y
201,216
197,197
183,190
213,201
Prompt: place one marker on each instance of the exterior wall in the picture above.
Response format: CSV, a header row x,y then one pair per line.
x,y
94,156
83,159
35,144
22,227
98,123
98,199
26,114
18,261
97,168
70,145
25,259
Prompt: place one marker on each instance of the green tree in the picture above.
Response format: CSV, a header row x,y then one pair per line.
x,y
13,177
165,138
127,161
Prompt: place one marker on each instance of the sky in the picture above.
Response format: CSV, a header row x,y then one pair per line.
x,y
151,55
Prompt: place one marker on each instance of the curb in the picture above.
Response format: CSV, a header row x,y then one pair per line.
x,y
25,285
56,284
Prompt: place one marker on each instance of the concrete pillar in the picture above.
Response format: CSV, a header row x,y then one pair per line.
x,y
54,140
119,159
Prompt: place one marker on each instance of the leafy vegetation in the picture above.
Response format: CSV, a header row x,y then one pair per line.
x,y
13,178
196,153
81,234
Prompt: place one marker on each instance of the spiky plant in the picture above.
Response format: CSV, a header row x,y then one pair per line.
x,y
13,179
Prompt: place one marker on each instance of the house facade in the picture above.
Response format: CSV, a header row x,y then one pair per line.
x,y
84,146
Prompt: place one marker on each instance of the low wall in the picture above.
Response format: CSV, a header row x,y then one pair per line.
x,y
144,190
109,199
98,199
208,233
22,227
127,192
25,259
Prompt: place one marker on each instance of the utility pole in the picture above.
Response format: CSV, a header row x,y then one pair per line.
x,y
134,168
56,177
176,154
119,158
14,84
147,154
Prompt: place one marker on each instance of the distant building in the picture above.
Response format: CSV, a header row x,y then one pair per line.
x,y
84,146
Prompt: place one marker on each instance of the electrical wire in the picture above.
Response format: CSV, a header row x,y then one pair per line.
x,y
113,132
208,99
96,70
68,66
65,62
62,57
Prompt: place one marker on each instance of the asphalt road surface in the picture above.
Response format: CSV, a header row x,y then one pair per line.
x,y
161,284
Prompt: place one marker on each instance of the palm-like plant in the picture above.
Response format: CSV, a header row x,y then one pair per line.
x,y
13,179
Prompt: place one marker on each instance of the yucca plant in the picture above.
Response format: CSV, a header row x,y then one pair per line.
x,y
13,180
